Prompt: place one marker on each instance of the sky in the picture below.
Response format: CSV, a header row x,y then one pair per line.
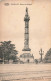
x,y
12,25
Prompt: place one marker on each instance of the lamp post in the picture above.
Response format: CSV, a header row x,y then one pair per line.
x,y
41,53
3,58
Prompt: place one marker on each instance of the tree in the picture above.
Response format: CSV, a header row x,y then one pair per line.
x,y
1,54
47,58
7,51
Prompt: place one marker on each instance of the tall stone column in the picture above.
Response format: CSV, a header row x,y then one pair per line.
x,y
26,57
26,34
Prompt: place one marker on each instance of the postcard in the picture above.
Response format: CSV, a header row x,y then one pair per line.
x,y
25,40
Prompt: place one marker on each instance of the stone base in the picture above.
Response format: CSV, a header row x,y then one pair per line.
x,y
28,49
27,58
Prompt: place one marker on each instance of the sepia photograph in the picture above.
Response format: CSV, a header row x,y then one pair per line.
x,y
25,40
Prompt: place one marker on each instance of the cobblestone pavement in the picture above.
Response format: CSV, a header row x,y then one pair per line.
x,y
25,72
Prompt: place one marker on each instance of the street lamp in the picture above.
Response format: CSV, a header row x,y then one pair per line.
x,y
41,53
3,58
